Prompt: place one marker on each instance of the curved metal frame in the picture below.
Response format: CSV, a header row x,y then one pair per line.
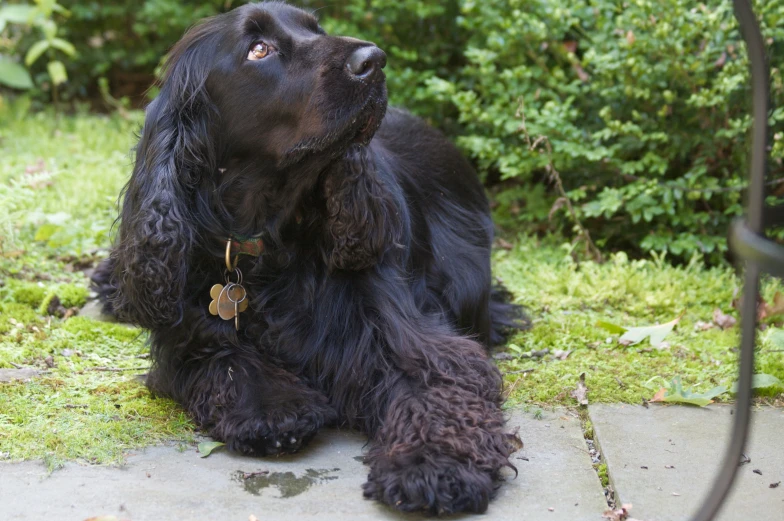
x,y
749,243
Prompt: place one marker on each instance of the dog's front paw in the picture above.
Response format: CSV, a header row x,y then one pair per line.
x,y
284,430
435,485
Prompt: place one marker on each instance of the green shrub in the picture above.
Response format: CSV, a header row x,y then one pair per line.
x,y
125,40
645,102
33,26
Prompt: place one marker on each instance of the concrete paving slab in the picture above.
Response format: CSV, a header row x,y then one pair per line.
x,y
639,445
94,309
8,375
323,482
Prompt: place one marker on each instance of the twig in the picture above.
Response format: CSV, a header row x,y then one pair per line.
x,y
73,406
508,391
248,475
590,248
116,369
530,370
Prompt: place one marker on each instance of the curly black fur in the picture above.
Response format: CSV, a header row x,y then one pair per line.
x,y
372,304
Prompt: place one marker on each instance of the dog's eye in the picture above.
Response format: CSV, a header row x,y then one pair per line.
x,y
260,50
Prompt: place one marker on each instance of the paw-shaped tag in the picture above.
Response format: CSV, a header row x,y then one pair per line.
x,y
227,301
215,292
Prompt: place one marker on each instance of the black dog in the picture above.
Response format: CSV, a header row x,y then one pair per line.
x,y
366,273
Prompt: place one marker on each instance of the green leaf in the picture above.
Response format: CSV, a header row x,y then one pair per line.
x,y
57,72
206,447
65,46
57,8
58,218
45,232
676,394
761,381
14,75
777,338
635,335
35,52
17,13
49,28
612,328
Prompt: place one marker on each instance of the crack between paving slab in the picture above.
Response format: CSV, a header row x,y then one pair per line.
x,y
597,458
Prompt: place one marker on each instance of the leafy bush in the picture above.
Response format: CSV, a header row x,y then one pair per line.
x,y
645,102
21,20
124,40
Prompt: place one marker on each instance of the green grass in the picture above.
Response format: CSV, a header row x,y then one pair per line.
x,y
58,190
567,299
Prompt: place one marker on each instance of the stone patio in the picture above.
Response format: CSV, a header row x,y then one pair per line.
x,y
660,459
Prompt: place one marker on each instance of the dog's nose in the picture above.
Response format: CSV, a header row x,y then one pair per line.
x,y
365,61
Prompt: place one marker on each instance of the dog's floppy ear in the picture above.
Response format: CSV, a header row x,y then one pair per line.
x,y
156,230
363,220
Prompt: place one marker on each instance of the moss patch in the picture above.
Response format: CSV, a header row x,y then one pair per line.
x,y
89,405
566,300
23,292
57,205
68,295
87,416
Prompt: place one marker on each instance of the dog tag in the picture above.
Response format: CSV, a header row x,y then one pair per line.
x,y
215,292
226,308
236,293
230,300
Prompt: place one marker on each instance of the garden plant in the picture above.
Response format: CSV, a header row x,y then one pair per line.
x,y
612,138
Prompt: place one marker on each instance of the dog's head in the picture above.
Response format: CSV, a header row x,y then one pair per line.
x,y
280,86
264,91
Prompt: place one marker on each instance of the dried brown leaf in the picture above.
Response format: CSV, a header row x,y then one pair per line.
x,y
506,245
584,77
618,514
774,309
570,45
557,205
39,166
659,396
703,326
722,320
580,393
764,309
